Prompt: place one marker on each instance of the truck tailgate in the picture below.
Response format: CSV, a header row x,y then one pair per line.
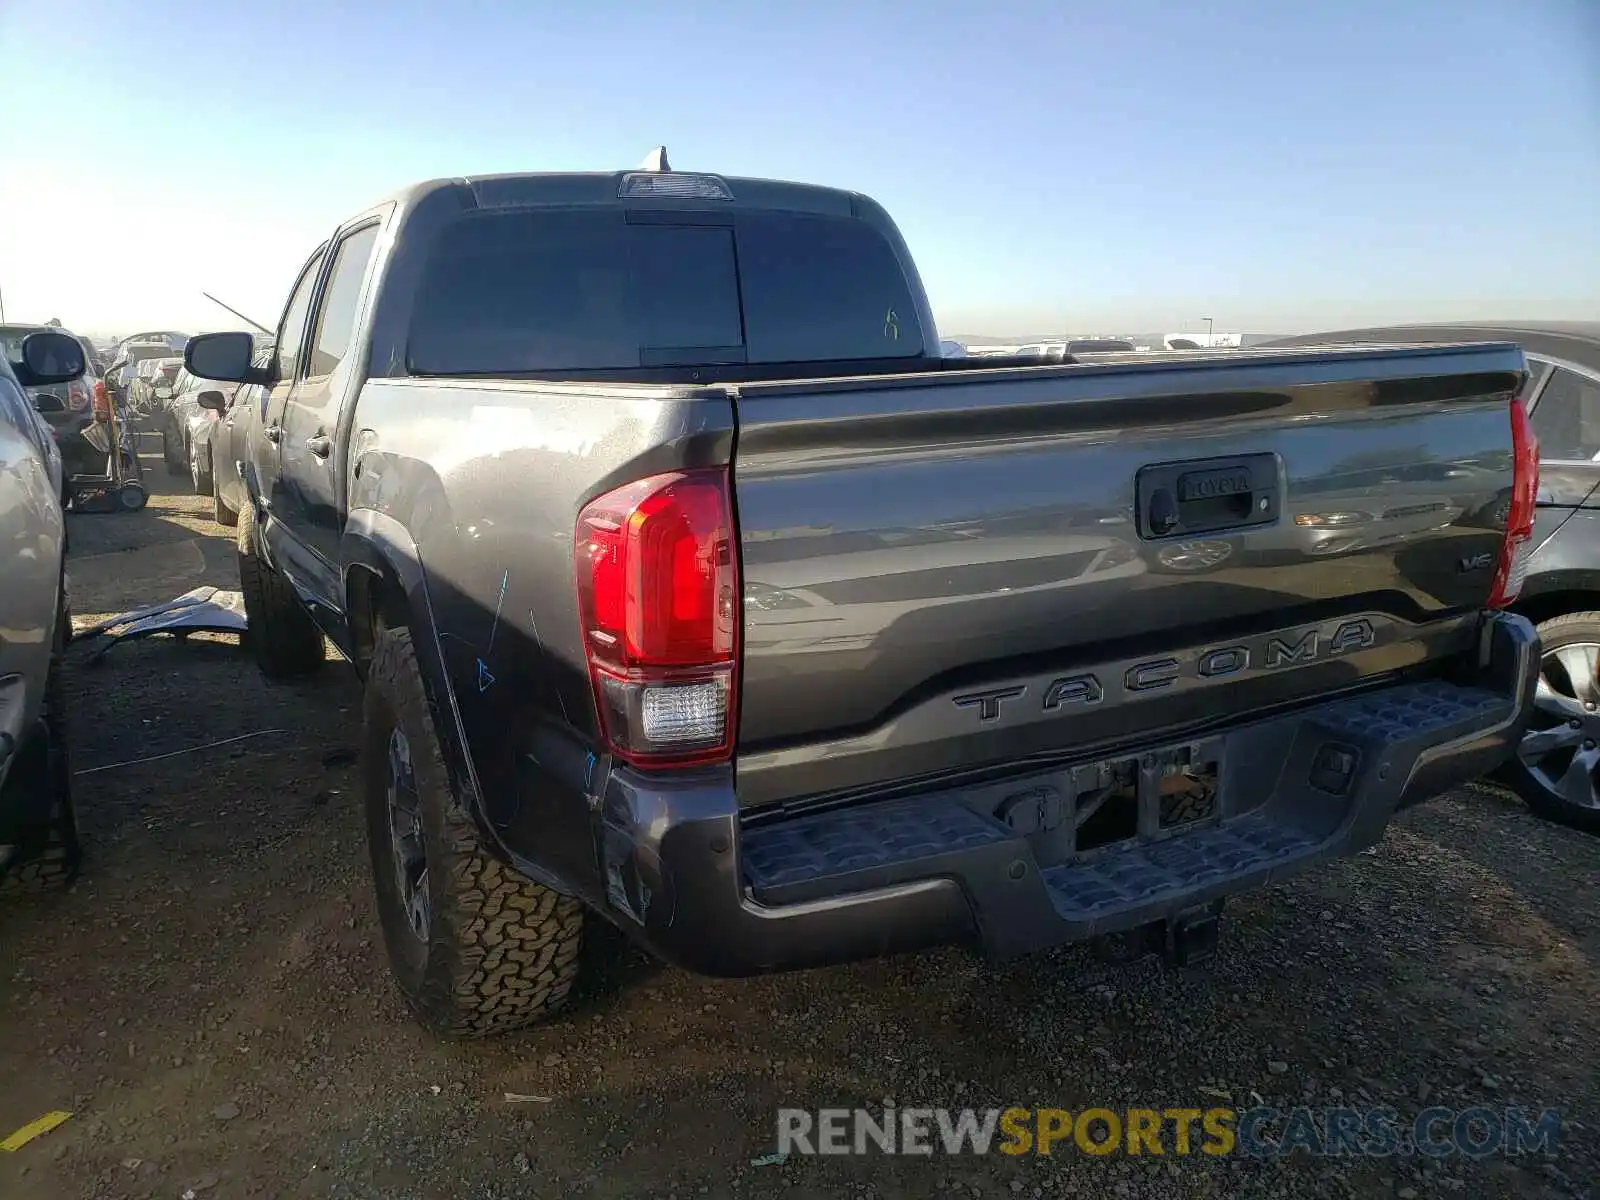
x,y
956,571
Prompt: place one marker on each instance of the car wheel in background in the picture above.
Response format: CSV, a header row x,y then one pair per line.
x,y
475,947
281,635
220,512
1194,556
174,460
200,470
49,854
1556,769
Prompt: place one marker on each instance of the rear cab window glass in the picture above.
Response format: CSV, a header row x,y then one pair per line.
x,y
586,289
821,288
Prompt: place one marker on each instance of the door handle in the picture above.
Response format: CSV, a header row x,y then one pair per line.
x,y
321,445
1207,495
272,433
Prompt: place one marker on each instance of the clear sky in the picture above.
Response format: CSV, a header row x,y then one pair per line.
x,y
1115,165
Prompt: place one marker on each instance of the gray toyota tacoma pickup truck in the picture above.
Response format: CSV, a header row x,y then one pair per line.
x,y
692,589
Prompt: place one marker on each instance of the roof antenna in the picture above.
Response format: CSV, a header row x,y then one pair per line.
x,y
656,160
240,315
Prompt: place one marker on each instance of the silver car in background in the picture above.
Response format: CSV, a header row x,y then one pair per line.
x,y
38,834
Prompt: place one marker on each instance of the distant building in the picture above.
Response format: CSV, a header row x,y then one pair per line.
x,y
1215,341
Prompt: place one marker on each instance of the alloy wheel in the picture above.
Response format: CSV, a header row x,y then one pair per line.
x,y
1561,749
407,844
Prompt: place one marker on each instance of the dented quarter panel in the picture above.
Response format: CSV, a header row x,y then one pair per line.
x,y
488,478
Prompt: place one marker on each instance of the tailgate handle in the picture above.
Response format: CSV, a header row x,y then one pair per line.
x,y
1209,495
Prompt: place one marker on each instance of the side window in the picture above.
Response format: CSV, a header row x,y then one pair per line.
x,y
336,321
15,408
1566,417
292,329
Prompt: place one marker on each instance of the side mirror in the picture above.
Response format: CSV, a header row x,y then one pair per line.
x,y
48,403
213,400
49,357
224,357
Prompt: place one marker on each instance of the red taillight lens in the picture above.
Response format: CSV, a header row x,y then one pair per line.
x,y
1517,547
658,594
102,399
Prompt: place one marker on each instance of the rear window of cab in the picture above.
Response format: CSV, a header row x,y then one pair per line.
x,y
591,290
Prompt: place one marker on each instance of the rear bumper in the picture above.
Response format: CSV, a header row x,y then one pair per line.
x,y
725,895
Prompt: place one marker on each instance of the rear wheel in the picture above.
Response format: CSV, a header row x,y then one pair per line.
x,y
475,947
282,637
47,854
1556,769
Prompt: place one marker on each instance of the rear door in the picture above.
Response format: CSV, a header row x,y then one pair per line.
x,y
288,342
309,464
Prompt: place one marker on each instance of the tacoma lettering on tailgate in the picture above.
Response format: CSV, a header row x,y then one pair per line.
x,y
1128,680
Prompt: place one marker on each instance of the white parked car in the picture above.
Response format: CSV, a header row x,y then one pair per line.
x,y
38,835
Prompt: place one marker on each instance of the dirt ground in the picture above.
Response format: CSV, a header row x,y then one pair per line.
x,y
212,1004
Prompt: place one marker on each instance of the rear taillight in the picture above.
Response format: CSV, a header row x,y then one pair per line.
x,y
658,595
1517,547
77,396
102,399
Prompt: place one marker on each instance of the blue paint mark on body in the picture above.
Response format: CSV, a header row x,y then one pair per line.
x,y
485,679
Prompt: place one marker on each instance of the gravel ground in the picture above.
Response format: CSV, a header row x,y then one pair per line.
x,y
211,1001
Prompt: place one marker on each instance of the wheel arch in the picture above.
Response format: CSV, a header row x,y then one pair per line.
x,y
1556,593
385,586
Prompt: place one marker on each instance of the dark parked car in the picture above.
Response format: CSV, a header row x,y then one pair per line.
x,y
920,691
228,440
187,426
1557,768
74,412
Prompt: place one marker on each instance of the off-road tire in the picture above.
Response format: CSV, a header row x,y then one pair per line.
x,y
1571,629
220,512
52,857
501,951
282,637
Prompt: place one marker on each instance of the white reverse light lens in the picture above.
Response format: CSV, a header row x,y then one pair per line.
x,y
684,713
